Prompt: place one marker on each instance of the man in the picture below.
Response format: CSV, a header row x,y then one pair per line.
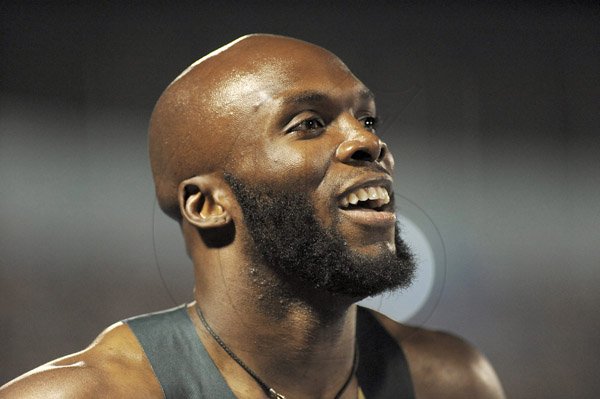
x,y
266,153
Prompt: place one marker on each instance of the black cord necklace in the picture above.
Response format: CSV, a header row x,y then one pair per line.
x,y
268,390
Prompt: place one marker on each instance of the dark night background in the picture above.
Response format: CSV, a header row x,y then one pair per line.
x,y
492,113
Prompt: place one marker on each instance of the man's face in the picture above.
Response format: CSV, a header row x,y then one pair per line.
x,y
307,131
307,128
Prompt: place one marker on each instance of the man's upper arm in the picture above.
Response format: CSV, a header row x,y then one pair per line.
x,y
114,365
443,365
75,380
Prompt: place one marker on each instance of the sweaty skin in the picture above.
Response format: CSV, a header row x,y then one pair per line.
x,y
273,111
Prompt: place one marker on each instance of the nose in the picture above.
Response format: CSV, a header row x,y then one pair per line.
x,y
364,147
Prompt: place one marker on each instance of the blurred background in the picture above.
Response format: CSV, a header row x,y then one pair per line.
x,y
492,112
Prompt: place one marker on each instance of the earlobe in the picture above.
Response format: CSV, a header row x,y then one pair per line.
x,y
200,205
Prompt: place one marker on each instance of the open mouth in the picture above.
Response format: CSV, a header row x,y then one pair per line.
x,y
366,198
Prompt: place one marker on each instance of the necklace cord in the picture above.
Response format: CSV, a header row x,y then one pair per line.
x,y
268,390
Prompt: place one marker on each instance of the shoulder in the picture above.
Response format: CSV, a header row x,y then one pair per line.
x,y
444,365
114,365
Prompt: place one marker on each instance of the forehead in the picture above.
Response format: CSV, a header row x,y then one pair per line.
x,y
292,77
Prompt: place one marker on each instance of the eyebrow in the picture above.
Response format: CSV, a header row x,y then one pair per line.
x,y
366,94
317,96
306,97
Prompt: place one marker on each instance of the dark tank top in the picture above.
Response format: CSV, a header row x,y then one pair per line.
x,y
186,371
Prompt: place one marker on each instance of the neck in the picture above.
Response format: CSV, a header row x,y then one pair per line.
x,y
301,343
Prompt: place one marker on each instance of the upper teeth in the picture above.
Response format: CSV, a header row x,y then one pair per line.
x,y
377,196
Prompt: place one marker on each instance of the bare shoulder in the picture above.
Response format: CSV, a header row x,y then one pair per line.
x,y
114,365
444,365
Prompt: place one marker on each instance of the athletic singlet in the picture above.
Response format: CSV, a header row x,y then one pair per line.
x,y
186,371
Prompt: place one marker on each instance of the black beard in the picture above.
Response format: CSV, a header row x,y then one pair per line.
x,y
287,237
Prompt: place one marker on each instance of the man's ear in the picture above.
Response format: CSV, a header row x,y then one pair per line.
x,y
202,204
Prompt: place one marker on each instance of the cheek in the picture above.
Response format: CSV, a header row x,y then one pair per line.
x,y
297,168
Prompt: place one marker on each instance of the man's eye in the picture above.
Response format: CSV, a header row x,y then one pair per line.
x,y
370,122
308,125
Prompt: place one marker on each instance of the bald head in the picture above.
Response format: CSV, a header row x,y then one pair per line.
x,y
198,124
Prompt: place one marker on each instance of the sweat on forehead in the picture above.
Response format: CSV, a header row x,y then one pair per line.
x,y
195,123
